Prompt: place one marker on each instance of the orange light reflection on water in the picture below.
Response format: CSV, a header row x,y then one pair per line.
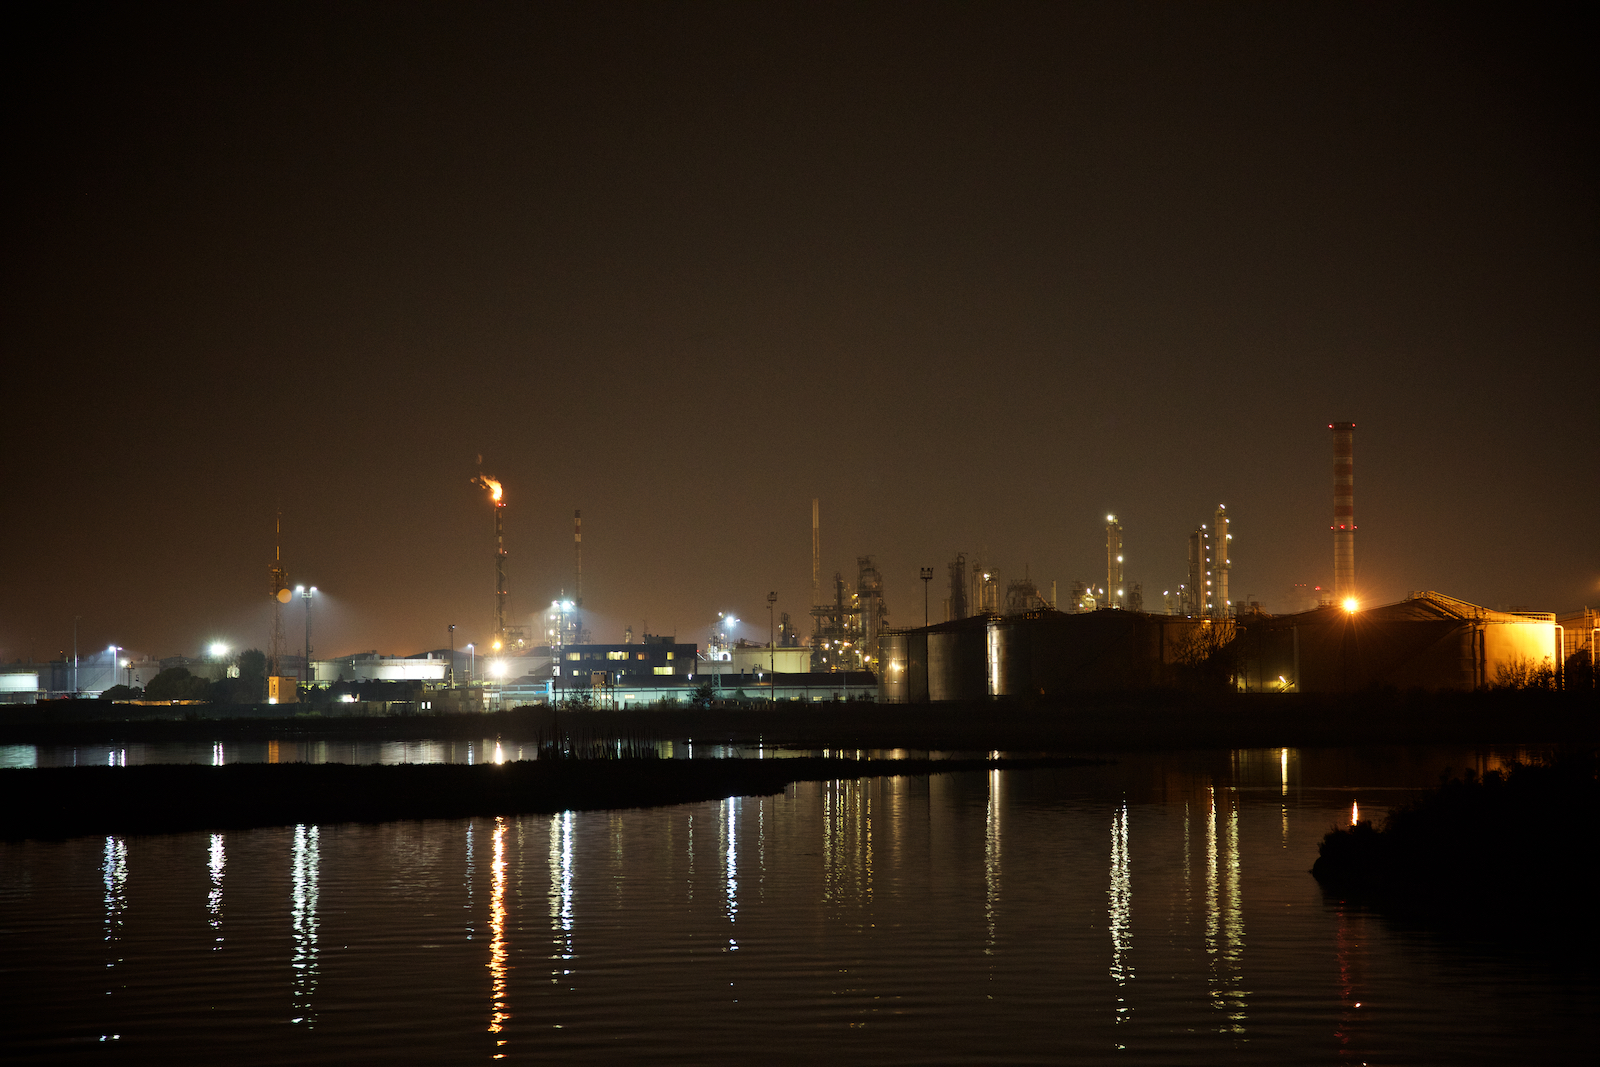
x,y
497,944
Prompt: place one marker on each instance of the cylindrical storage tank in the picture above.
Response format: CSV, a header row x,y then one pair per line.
x,y
893,662
1010,658
957,662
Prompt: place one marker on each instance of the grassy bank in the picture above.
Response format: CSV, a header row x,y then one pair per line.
x,y
1106,722
1516,844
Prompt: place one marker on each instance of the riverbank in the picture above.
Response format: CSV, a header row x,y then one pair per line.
x,y
1513,845
168,798
1091,723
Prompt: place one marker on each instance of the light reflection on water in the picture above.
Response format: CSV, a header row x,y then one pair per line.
x,y
495,750
304,922
982,916
216,862
1121,911
730,862
498,1011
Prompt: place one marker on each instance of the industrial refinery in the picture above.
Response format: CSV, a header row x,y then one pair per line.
x,y
993,638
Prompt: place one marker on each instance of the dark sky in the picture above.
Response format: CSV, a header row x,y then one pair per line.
x,y
975,275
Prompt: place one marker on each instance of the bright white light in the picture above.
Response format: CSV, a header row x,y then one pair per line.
x,y
498,668
219,649
347,699
300,589
1350,603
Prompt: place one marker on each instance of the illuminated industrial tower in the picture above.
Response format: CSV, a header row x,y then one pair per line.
x,y
497,498
1344,513
1114,589
1222,561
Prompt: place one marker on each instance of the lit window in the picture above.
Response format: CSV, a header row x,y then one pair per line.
x,y
663,670
574,655
616,655
642,655
669,655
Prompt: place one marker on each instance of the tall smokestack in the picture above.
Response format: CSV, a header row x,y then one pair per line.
x,y
1344,511
577,555
816,553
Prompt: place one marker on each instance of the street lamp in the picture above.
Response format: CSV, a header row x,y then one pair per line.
x,y
472,662
927,576
306,593
112,676
450,683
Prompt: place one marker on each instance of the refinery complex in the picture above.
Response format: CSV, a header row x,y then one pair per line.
x,y
985,639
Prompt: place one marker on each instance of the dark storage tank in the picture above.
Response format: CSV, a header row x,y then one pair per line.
x,y
958,660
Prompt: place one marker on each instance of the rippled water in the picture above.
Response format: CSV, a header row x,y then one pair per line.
x,y
1155,911
217,753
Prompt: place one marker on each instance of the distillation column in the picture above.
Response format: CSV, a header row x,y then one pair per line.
x,y
1224,560
1114,591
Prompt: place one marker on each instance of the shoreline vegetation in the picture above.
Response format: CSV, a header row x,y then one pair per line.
x,y
60,802
1516,843
1105,722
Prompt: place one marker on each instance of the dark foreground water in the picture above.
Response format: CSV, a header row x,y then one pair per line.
x,y
1155,911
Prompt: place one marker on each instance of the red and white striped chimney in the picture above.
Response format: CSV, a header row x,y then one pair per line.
x,y
1344,512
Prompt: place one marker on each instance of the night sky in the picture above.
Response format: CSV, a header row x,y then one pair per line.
x,y
974,275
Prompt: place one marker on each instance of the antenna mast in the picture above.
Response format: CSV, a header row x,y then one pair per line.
x,y
280,586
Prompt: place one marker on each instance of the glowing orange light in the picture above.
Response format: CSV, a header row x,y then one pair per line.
x,y
1355,812
1350,604
498,954
497,491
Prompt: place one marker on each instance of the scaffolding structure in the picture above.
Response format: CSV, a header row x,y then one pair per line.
x,y
846,633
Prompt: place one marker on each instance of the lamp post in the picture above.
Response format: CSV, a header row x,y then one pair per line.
x,y
75,619
111,677
927,576
450,683
772,640
472,662
306,593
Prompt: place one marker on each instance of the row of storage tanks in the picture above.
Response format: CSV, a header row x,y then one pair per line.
x,y
1031,654
1428,642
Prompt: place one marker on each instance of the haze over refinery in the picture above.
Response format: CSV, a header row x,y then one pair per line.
x,y
975,278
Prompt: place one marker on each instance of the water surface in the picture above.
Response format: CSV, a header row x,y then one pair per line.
x,y
1153,911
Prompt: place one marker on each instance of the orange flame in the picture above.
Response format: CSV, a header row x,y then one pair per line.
x,y
496,490
1355,812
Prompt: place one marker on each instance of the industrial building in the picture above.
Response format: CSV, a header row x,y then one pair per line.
x,y
1428,641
